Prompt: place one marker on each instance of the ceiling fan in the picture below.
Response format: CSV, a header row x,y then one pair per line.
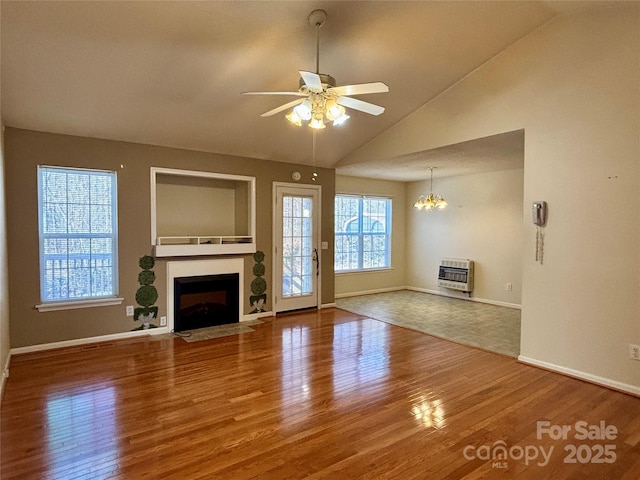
x,y
320,98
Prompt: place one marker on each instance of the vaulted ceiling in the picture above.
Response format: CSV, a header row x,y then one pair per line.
x,y
172,73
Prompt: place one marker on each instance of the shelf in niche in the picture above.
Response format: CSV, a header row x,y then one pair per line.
x,y
184,200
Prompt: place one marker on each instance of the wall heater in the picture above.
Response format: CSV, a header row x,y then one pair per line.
x,y
456,273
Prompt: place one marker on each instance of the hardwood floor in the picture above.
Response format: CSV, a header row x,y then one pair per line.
x,y
315,395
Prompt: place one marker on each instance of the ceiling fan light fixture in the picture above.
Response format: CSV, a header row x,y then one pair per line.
x,y
294,118
303,110
323,98
317,123
334,111
341,119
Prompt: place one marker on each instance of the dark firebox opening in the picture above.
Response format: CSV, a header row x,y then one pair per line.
x,y
205,301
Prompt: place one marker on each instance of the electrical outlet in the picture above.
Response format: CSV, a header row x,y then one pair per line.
x,y
163,321
509,287
634,351
129,310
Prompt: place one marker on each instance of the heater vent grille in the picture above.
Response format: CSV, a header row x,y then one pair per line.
x,y
456,274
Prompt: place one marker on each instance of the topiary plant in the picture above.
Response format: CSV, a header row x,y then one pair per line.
x,y
146,295
258,285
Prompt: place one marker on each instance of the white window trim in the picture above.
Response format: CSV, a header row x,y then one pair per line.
x,y
389,235
363,270
81,302
73,304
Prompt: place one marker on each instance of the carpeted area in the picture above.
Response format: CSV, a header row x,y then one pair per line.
x,y
477,324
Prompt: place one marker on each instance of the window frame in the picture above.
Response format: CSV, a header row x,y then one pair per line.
x,y
85,301
360,234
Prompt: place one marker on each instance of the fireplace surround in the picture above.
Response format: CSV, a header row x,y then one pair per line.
x,y
205,301
208,285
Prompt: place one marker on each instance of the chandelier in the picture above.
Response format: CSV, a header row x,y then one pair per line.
x,y
431,201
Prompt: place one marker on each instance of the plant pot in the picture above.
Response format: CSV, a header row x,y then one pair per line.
x,y
258,302
145,316
146,320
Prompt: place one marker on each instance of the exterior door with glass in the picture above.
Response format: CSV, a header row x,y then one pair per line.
x,y
296,253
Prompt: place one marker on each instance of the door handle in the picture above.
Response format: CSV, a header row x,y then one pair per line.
x,y
316,257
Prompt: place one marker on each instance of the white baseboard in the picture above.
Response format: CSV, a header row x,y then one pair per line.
x,y
84,341
255,316
602,381
433,292
5,375
112,337
328,305
369,292
498,303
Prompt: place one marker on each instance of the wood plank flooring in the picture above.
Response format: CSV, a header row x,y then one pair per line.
x,y
314,395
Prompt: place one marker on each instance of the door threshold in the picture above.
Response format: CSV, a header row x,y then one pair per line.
x,y
298,310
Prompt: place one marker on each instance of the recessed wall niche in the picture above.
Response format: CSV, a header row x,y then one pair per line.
x,y
201,213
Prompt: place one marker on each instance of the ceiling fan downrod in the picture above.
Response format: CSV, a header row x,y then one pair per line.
x,y
317,19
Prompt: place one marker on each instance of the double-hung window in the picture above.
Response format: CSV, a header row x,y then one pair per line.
x,y
78,221
363,233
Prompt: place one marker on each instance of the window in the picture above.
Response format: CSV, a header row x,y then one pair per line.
x,y
78,234
363,233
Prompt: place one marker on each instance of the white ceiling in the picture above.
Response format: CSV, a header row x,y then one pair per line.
x,y
171,73
504,151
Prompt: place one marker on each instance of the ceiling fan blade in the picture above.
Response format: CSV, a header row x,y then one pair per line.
x,y
359,89
356,104
312,81
297,94
282,107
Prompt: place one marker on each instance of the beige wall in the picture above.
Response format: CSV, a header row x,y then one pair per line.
x,y
483,223
347,283
573,85
4,278
176,195
25,150
4,265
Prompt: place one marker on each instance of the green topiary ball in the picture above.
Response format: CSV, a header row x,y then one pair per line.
x,y
147,262
146,277
258,256
258,286
258,269
146,295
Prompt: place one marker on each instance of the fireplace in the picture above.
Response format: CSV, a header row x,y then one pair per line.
x,y
205,301
202,287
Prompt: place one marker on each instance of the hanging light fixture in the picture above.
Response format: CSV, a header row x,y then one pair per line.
x,y
431,201
318,105
324,101
315,109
